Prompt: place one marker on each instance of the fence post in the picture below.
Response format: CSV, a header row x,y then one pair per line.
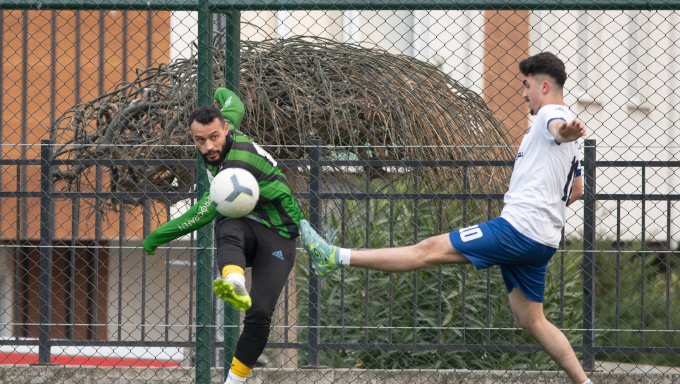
x,y
589,207
204,236
232,78
46,234
314,333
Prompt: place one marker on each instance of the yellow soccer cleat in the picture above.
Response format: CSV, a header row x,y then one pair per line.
x,y
323,255
233,293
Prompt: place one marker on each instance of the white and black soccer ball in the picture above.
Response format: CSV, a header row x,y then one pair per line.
x,y
234,192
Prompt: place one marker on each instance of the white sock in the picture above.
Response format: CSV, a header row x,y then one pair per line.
x,y
236,278
343,257
233,379
588,382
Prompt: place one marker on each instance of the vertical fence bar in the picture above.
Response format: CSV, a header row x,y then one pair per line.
x,y
367,171
46,234
146,230
440,282
342,272
204,236
53,68
167,282
414,311
643,257
89,261
668,273
19,260
122,221
488,284
124,47
98,234
618,271
314,284
562,254
589,254
75,241
232,78
463,267
390,320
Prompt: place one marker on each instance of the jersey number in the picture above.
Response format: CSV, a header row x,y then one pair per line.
x,y
570,177
470,233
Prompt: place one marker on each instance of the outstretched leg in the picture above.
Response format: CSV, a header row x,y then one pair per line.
x,y
430,252
433,251
529,315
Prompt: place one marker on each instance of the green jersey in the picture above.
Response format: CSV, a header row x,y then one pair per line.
x,y
276,207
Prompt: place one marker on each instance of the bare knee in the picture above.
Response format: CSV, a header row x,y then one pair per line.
x,y
428,252
531,324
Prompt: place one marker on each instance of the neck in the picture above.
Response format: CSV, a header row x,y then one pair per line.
x,y
552,99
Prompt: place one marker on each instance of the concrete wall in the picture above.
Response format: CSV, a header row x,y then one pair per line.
x,y
129,375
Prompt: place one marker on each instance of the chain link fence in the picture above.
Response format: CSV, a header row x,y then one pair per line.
x,y
393,122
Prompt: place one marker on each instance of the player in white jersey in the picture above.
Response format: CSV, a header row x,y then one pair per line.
x,y
546,178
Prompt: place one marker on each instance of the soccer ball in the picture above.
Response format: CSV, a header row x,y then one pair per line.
x,y
234,192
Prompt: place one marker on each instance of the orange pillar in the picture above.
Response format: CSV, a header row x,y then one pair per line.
x,y
506,43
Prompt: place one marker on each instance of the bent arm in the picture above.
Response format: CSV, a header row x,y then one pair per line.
x,y
199,215
576,191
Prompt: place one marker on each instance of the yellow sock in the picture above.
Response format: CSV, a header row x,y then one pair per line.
x,y
239,369
232,269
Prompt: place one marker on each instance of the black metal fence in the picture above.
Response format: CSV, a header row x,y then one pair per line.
x,y
343,328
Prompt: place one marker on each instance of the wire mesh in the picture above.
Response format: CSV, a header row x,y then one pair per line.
x,y
391,126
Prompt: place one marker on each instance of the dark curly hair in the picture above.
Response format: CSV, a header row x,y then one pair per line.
x,y
544,63
205,115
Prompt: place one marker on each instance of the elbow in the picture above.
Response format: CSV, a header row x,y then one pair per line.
x,y
577,195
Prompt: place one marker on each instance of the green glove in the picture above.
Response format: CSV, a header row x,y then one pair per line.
x,y
232,107
151,250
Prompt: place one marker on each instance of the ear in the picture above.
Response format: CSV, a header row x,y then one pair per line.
x,y
545,87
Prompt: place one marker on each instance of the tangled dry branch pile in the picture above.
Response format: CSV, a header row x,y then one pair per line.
x,y
365,102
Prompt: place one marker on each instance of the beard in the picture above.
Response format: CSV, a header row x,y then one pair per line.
x,y
220,159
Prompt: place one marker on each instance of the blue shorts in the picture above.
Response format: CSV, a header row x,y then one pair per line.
x,y
523,261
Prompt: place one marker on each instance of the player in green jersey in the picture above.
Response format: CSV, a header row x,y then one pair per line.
x,y
263,240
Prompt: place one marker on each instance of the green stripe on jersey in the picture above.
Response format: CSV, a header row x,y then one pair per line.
x,y
255,160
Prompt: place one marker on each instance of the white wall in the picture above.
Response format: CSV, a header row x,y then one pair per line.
x,y
180,292
6,292
622,76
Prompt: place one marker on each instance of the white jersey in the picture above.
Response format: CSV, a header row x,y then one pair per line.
x,y
542,180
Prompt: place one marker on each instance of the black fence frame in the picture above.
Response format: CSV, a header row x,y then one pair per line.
x,y
315,163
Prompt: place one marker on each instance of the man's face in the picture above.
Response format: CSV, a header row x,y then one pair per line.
x,y
534,90
211,140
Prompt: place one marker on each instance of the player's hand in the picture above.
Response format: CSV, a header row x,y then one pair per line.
x,y
148,248
572,131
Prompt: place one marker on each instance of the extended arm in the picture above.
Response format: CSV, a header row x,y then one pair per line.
x,y
564,132
230,105
197,216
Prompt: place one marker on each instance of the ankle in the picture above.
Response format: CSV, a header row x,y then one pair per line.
x,y
343,257
236,278
232,378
